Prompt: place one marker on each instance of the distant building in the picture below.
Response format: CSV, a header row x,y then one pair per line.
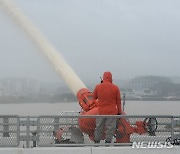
x,y
16,87
176,79
146,82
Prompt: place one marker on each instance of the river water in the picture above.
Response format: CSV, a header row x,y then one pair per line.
x,y
131,108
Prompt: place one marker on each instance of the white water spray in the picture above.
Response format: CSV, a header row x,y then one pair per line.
x,y
53,56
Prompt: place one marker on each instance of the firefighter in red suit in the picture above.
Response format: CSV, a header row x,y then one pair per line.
x,y
109,103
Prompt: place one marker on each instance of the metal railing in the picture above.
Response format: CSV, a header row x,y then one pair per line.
x,y
9,131
72,129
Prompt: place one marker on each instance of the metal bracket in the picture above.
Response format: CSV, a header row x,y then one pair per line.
x,y
176,122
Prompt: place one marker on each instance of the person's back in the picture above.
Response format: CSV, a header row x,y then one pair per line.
x,y
109,103
108,95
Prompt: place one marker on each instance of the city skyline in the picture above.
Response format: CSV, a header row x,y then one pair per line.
x,y
16,90
25,84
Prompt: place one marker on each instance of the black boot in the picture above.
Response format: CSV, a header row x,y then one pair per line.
x,y
107,142
96,141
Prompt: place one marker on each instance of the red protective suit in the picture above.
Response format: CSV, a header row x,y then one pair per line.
x,y
108,95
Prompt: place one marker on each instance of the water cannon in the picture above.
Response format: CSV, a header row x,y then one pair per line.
x,y
85,98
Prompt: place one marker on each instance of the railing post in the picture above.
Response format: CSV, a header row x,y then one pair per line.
x,y
5,127
56,123
172,129
27,131
34,135
124,100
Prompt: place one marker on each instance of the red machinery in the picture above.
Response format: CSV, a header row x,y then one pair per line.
x,y
124,128
87,125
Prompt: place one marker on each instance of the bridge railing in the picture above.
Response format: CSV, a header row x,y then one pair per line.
x,y
72,129
9,131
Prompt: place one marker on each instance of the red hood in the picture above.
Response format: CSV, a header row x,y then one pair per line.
x,y
107,77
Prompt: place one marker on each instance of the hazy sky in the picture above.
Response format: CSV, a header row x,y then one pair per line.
x,y
127,37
